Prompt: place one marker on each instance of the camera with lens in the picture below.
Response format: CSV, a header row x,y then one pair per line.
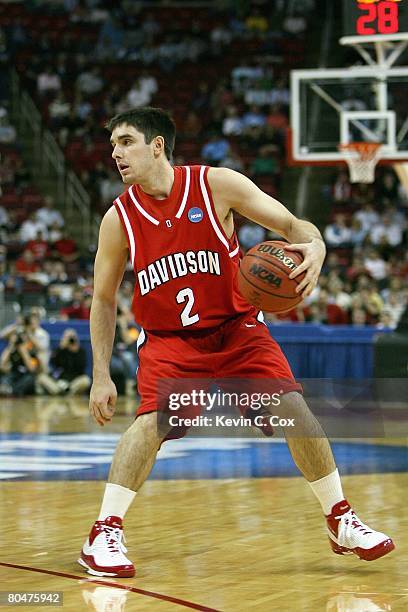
x,y
20,339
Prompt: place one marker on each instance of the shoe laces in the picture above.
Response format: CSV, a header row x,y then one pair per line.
x,y
114,537
350,521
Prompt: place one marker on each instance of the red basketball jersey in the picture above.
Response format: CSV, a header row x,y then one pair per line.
x,y
184,263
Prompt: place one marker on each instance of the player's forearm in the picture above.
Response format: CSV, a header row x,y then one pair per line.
x,y
102,323
301,231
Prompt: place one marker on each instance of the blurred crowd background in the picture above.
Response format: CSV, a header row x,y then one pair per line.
x,y
223,71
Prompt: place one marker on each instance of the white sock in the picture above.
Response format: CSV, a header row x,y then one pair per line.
x,y
328,491
116,501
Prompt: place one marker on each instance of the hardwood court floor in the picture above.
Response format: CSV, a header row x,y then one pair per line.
x,y
226,544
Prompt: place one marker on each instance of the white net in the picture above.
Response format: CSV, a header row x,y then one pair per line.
x,y
362,159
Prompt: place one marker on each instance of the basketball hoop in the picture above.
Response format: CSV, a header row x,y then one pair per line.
x,y
362,159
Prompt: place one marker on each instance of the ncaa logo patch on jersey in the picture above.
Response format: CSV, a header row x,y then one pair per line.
x,y
195,215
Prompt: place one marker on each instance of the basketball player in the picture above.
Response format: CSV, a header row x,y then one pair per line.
x,y
176,225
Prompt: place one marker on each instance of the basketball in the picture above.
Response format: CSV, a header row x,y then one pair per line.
x,y
263,277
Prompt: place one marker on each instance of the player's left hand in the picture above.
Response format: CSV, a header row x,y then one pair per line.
x,y
313,253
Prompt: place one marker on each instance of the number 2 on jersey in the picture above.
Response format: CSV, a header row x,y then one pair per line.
x,y
187,295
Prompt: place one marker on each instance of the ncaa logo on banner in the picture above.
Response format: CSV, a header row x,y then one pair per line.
x,y
195,215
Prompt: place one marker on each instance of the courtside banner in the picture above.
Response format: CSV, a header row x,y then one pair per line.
x,y
339,408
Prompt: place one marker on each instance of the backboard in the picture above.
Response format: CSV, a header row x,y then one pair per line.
x,y
338,106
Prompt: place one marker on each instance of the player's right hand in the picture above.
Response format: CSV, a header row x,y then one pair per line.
x,y
102,400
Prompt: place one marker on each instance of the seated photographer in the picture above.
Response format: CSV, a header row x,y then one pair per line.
x,y
30,324
68,367
19,365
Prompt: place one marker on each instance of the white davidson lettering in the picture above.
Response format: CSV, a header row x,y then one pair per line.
x,y
161,266
181,265
177,265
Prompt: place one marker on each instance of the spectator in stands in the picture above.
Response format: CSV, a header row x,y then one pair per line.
x,y
48,214
138,95
395,306
246,72
48,81
232,124
397,217
258,95
375,265
337,234
220,37
150,25
386,233
65,248
337,294
294,23
90,82
358,316
26,265
386,320
30,228
256,22
250,234
276,119
68,366
388,188
324,312
54,232
358,234
192,127
39,337
201,98
82,107
369,300
58,110
342,189
110,187
265,163
280,94
367,216
19,365
215,149
233,161
356,268
253,118
80,307
8,132
363,193
4,217
149,83
38,247
396,287
125,296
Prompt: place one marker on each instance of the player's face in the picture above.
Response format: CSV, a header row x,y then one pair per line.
x,y
132,155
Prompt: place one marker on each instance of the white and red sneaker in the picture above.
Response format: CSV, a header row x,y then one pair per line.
x,y
103,551
348,535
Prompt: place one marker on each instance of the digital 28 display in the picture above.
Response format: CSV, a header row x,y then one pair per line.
x,y
375,17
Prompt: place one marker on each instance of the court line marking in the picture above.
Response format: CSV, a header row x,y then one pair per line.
x,y
114,585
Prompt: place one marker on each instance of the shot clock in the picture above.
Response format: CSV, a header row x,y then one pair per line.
x,y
375,17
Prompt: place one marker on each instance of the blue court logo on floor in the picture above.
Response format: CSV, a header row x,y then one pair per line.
x,y
195,215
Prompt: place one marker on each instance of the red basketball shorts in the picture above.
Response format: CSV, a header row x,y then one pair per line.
x,y
240,349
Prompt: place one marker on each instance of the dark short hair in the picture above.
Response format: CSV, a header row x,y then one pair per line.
x,y
151,122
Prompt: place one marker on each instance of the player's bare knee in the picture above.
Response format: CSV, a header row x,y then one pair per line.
x,y
151,426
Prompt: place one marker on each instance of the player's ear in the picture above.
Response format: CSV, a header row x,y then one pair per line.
x,y
158,145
